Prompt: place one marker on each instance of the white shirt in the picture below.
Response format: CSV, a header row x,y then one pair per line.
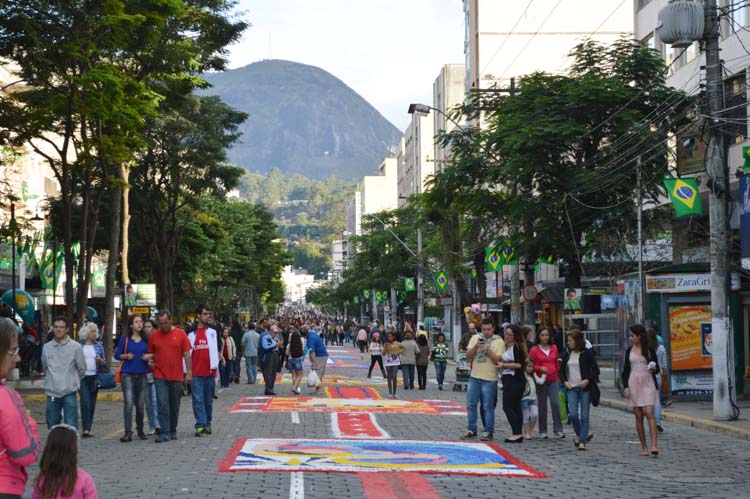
x,y
89,354
574,368
510,359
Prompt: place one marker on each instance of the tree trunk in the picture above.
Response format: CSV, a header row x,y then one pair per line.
x,y
124,268
114,247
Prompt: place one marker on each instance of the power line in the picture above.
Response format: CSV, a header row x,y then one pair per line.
x,y
523,13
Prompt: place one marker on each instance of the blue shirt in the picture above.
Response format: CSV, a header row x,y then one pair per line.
x,y
138,349
315,344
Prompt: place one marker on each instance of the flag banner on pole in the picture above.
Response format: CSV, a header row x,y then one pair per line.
x,y
381,296
441,281
493,259
356,300
684,195
549,261
366,294
508,254
409,284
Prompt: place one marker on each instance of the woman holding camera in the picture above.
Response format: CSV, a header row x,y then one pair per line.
x,y
639,379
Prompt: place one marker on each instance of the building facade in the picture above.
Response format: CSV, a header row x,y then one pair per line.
x,y
447,92
416,158
380,192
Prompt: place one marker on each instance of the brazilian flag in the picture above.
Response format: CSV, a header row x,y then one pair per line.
x,y
366,294
684,195
549,261
508,254
381,296
356,300
493,259
409,284
441,281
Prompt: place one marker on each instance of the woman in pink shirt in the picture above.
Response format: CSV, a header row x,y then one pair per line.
x,y
544,355
59,475
19,440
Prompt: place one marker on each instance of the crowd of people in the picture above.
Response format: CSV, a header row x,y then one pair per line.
x,y
159,360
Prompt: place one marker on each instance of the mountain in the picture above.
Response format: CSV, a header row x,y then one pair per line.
x,y
303,120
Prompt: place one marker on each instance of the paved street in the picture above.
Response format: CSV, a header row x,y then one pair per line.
x,y
694,463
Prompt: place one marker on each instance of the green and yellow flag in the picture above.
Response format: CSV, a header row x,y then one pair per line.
x,y
356,300
366,294
508,254
441,281
684,195
409,284
381,296
493,259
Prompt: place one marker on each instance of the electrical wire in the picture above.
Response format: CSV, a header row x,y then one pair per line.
x,y
523,13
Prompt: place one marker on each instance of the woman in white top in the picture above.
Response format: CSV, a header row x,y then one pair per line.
x,y
93,352
578,373
376,354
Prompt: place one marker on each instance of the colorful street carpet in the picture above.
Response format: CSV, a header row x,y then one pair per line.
x,y
356,456
319,404
335,379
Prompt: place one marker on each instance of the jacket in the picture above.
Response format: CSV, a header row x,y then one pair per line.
x,y
65,367
213,345
540,360
19,442
231,348
626,367
588,367
423,357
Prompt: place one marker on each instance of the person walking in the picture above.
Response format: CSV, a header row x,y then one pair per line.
x,y
545,357
267,357
484,352
529,403
236,333
423,360
514,380
392,355
295,355
93,353
249,348
152,407
168,347
578,372
64,365
130,351
205,357
59,475
409,360
376,354
641,389
661,358
227,358
19,437
318,355
362,340
439,356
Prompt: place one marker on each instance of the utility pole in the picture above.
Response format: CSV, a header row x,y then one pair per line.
x,y
515,294
420,284
641,287
718,173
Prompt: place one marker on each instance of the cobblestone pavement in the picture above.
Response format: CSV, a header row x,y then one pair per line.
x,y
693,463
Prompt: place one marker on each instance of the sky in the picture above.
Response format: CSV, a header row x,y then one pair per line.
x,y
388,51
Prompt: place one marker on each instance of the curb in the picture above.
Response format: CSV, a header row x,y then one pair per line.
x,y
106,396
703,424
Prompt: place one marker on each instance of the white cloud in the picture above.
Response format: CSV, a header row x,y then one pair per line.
x,y
389,51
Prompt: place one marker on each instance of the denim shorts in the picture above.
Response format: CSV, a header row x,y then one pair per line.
x,y
526,403
294,364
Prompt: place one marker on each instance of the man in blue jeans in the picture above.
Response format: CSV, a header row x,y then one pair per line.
x,y
65,365
205,359
167,348
249,348
484,352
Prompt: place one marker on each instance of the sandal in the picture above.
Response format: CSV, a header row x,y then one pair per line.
x,y
655,451
644,453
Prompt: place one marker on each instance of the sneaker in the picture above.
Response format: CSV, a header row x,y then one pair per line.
x,y
559,434
207,430
199,432
440,387
470,435
162,438
660,428
543,436
173,436
487,437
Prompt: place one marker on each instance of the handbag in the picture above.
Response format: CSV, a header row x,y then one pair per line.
x,y
664,384
118,374
563,399
106,381
596,394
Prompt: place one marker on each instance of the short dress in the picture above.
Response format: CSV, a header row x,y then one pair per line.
x,y
643,390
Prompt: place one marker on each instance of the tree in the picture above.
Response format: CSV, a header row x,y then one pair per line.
x,y
559,158
184,161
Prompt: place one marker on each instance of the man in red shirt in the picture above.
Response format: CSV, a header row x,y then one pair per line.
x,y
167,348
205,357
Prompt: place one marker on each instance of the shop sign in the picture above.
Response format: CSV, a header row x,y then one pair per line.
x,y
684,283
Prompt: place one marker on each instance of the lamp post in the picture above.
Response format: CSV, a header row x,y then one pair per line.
x,y
13,256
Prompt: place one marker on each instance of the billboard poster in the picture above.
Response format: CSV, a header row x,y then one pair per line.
x,y
572,299
693,383
690,337
140,295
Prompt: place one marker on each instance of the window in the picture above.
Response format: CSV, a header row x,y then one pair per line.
x,y
735,103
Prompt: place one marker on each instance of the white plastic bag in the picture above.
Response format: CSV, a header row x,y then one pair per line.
x,y
313,380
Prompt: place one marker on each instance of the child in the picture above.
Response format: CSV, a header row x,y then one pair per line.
x,y
59,475
528,403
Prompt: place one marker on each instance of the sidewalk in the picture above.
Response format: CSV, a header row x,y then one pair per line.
x,y
698,414
33,391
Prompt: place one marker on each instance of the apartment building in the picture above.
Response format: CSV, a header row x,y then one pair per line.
x,y
447,92
510,39
416,157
